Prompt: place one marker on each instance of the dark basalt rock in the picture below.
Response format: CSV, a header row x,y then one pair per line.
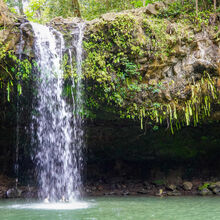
x,y
216,191
13,193
191,52
187,185
205,192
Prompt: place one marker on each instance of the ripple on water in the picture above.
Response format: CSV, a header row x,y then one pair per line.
x,y
51,206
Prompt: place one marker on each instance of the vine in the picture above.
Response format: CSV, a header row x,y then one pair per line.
x,y
116,84
13,70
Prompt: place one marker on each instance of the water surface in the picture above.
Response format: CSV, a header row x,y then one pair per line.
x,y
115,208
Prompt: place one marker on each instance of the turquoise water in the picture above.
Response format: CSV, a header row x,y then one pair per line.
x,y
113,208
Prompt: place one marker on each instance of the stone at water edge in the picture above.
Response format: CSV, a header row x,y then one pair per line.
x,y
174,193
212,186
187,186
217,184
216,190
142,191
205,192
171,187
13,193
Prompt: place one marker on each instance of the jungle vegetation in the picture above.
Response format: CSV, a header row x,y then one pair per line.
x,y
116,90
44,10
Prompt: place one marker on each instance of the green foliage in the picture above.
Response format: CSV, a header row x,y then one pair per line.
x,y
185,12
204,186
177,9
139,3
94,8
114,78
36,11
116,85
110,63
159,182
64,8
160,41
44,10
13,70
12,4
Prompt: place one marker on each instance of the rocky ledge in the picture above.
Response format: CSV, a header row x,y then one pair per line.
x,y
118,187
156,188
8,189
140,63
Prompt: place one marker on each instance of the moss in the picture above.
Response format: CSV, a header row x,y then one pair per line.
x,y
184,11
204,186
116,83
110,62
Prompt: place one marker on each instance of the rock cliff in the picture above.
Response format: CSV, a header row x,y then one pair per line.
x,y
141,64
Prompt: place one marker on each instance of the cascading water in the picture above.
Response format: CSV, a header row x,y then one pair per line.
x,y
78,132
59,132
18,110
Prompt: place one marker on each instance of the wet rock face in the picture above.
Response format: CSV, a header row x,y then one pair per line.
x,y
190,63
27,40
67,27
171,57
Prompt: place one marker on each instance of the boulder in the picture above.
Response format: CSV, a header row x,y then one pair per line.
x,y
126,193
13,193
205,192
217,184
174,193
171,187
142,191
151,10
159,5
212,186
187,186
216,190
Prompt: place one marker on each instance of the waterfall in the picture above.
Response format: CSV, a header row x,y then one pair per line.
x,y
18,110
59,132
78,132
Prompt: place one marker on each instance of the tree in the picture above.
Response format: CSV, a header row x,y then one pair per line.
x,y
20,6
197,7
76,8
64,8
215,6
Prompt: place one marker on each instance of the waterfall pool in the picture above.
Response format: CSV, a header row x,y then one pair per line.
x,y
115,208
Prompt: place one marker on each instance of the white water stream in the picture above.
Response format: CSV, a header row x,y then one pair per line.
x,y
58,125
